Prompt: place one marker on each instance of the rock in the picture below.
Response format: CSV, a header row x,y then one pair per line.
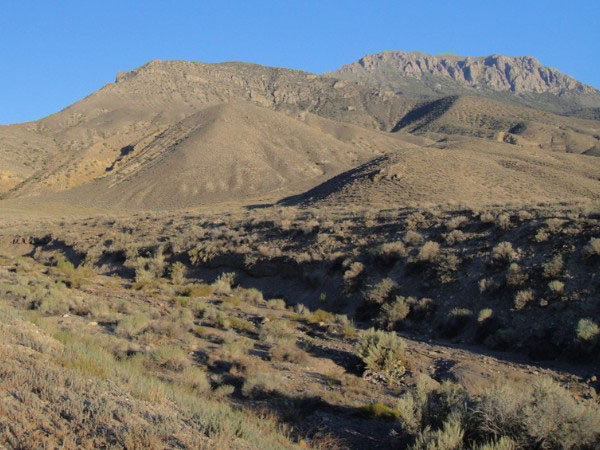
x,y
496,72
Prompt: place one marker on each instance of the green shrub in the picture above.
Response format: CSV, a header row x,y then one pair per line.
x,y
380,411
556,287
72,277
382,352
277,331
587,330
177,272
393,313
276,303
133,325
171,358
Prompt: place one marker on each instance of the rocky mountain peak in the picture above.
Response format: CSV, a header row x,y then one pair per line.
x,y
522,74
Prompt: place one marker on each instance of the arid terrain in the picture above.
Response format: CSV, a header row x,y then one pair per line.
x,y
397,254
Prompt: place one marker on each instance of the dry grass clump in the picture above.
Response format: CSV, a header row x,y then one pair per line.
x,y
523,298
485,314
554,224
429,252
277,332
592,248
504,252
456,222
353,272
277,303
132,325
515,276
412,238
391,251
382,352
196,290
542,235
503,221
288,352
177,273
223,284
454,236
554,267
415,220
171,358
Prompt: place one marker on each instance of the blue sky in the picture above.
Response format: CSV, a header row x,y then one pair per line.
x,y
53,53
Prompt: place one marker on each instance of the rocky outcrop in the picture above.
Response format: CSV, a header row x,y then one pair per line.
x,y
496,72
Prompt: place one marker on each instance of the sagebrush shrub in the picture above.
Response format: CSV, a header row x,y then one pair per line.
x,y
515,276
523,298
543,415
504,252
381,292
223,284
382,352
393,313
554,267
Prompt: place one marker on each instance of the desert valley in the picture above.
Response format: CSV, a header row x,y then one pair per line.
x,y
402,253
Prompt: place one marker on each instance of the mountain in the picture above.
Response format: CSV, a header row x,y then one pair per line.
x,y
83,141
180,134
521,80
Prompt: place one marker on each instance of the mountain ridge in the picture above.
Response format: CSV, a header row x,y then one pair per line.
x,y
519,79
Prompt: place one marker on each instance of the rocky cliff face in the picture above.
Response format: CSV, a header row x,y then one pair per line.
x,y
495,72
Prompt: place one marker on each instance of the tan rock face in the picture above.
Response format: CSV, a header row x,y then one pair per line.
x,y
496,72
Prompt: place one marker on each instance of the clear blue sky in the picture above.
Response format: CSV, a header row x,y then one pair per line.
x,y
53,53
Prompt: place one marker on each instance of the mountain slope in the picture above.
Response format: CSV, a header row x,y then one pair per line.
x,y
231,152
522,80
494,120
90,135
466,171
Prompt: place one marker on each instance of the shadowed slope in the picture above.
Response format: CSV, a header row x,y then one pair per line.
x,y
490,119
